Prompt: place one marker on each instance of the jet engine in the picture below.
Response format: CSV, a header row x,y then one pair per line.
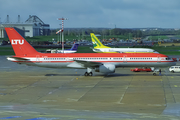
x,y
106,68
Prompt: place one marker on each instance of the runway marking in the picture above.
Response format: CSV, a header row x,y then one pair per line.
x,y
72,100
49,100
53,91
155,105
72,79
125,91
123,96
90,88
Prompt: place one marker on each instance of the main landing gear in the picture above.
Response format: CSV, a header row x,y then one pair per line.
x,y
89,72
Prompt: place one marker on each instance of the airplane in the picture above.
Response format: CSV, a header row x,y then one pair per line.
x,y
72,50
100,48
100,62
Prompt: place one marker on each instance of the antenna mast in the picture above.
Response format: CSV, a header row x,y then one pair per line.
x,y
61,30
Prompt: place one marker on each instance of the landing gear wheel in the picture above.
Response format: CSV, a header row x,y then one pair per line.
x,y
88,74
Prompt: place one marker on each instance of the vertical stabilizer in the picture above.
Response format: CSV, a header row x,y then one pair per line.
x,y
74,47
20,46
96,42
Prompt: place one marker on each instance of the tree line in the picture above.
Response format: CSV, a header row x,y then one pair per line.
x,y
118,32
127,33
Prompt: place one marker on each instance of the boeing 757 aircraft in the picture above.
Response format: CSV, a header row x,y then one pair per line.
x,y
100,48
100,62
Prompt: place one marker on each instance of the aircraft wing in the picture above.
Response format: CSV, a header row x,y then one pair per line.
x,y
88,63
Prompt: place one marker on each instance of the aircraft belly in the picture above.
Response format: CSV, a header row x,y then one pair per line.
x,y
144,64
49,65
57,65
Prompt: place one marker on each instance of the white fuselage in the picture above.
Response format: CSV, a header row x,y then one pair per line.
x,y
124,50
66,51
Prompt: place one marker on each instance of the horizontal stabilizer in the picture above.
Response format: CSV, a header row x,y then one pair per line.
x,y
17,59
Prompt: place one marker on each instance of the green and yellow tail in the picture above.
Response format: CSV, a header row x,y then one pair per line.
x,y
96,42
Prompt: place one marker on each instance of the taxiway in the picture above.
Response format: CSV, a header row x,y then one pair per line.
x,y
31,93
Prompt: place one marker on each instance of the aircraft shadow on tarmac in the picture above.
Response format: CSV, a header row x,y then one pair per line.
x,y
118,75
112,75
62,74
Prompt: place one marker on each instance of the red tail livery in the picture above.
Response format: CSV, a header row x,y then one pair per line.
x,y
20,46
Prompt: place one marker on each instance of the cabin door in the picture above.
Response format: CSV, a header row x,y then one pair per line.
x,y
125,58
37,58
159,59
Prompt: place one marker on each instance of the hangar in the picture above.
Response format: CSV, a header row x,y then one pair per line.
x,y
33,26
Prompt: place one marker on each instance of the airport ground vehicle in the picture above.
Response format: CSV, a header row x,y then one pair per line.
x,y
145,69
174,69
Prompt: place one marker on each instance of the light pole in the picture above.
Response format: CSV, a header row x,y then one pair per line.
x,y
62,32
60,35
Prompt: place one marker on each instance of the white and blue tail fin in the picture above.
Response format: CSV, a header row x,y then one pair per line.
x,y
74,47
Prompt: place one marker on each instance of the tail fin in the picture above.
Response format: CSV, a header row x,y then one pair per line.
x,y
96,42
74,47
20,46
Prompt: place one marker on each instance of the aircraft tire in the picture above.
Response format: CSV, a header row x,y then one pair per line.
x,y
86,74
90,74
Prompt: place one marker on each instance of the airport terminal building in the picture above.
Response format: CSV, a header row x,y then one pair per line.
x,y
33,26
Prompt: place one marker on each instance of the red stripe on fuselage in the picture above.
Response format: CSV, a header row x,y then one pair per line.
x,y
87,61
94,55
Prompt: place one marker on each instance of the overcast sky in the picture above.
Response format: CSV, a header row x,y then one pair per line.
x,y
96,13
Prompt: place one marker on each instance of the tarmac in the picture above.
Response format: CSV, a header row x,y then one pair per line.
x,y
35,93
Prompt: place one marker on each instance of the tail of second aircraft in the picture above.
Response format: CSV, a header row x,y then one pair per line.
x,y
74,47
96,42
20,46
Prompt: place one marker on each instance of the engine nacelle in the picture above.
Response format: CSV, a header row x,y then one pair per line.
x,y
106,68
